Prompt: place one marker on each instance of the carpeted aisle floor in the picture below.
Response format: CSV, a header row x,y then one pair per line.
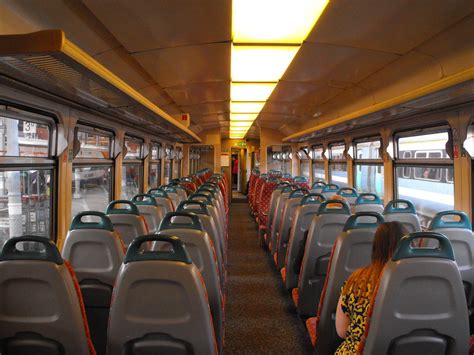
x,y
260,317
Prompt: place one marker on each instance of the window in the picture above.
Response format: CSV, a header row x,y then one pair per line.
x,y
27,174
304,158
318,163
424,172
92,170
177,162
274,159
194,157
337,165
132,167
286,156
368,166
169,155
154,174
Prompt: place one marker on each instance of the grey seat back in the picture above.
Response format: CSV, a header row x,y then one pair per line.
x,y
404,212
352,250
459,233
213,213
368,202
188,228
419,306
127,221
209,226
162,200
329,190
273,202
349,193
288,213
277,215
325,227
317,187
216,203
148,208
41,310
159,303
304,214
95,251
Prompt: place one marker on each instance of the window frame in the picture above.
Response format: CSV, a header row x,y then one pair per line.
x,y
158,160
11,163
358,163
140,161
333,161
315,161
96,162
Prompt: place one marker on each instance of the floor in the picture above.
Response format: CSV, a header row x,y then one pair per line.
x,y
260,316
238,197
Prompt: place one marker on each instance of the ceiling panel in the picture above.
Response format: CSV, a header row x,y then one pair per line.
x,y
196,93
335,65
218,107
156,94
389,26
143,25
185,65
303,93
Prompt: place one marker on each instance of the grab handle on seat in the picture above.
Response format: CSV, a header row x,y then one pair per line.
x,y
300,179
178,253
194,221
104,223
144,199
347,192
393,208
330,188
130,208
367,198
439,222
328,207
298,193
353,223
158,192
405,249
202,208
50,253
312,198
318,184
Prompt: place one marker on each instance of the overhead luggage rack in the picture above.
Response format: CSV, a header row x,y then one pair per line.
x,y
47,60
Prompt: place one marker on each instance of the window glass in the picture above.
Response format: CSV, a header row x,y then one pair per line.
x,y
154,177
369,178
155,151
368,150
337,151
131,180
93,145
318,171
91,188
424,146
21,138
304,168
338,174
177,163
25,203
274,160
134,148
317,153
430,188
167,172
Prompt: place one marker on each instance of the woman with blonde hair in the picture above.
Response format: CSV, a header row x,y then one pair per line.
x,y
357,291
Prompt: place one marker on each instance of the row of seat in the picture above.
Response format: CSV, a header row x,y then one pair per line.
x,y
316,244
165,292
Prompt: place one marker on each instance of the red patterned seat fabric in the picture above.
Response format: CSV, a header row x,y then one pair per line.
x,y
283,273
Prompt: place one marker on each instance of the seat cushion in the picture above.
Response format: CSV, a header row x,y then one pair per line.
x,y
295,296
311,328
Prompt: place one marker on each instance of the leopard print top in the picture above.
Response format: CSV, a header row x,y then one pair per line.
x,y
356,308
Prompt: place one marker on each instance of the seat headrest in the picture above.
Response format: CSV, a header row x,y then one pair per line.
x,y
396,206
367,198
347,192
50,252
312,199
199,207
193,221
330,188
299,192
439,220
318,184
157,192
144,199
104,223
130,208
177,253
356,221
405,249
334,207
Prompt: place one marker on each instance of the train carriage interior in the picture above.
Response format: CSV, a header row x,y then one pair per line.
x,y
207,176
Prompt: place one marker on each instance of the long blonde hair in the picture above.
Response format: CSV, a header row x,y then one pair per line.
x,y
385,240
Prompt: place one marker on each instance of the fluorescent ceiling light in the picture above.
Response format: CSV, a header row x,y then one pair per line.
x,y
243,116
251,91
232,136
261,63
274,21
246,107
241,124
239,129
